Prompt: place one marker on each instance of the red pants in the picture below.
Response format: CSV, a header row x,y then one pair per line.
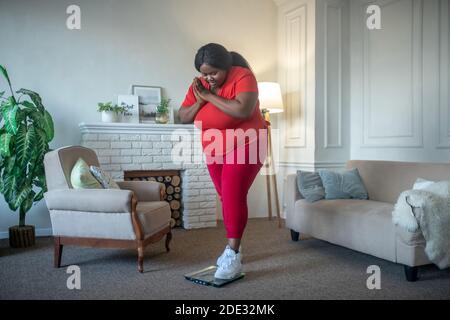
x,y
232,180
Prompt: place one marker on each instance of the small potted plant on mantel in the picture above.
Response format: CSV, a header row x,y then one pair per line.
x,y
162,111
110,112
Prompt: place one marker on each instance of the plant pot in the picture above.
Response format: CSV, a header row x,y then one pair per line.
x,y
21,237
162,118
110,116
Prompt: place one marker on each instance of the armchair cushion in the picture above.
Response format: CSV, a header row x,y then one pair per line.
x,y
144,190
82,178
103,178
100,225
154,215
89,200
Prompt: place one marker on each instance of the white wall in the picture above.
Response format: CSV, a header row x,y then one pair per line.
x,y
297,74
400,82
314,72
332,126
150,42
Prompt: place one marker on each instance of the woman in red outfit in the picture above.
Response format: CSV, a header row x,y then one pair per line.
x,y
224,104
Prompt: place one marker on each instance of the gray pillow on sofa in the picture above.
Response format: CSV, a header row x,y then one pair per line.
x,y
310,186
346,185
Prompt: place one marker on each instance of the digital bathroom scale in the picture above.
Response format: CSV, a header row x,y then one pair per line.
x,y
206,277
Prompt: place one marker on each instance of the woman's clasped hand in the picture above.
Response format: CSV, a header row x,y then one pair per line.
x,y
200,92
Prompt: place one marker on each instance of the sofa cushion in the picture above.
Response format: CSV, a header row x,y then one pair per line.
x,y
386,180
310,185
346,185
361,225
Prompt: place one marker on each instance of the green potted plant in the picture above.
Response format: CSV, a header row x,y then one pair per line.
x,y
25,132
110,112
162,111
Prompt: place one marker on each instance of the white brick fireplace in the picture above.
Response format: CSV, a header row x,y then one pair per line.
x,y
124,146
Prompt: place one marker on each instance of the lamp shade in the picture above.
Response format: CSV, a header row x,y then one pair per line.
x,y
270,97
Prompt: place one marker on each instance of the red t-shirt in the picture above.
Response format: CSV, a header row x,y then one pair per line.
x,y
238,80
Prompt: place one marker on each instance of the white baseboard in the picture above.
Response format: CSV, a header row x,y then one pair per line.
x,y
40,232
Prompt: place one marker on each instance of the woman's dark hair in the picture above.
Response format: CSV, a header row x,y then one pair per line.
x,y
218,57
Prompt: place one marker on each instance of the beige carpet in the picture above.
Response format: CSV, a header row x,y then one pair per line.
x,y
276,268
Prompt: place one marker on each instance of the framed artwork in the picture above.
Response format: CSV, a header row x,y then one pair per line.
x,y
131,103
148,97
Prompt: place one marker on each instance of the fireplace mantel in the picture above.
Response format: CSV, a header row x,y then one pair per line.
x,y
133,128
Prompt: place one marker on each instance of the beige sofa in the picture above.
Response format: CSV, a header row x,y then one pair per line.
x,y
366,225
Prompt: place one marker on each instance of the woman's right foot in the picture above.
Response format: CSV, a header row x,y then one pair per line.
x,y
230,265
222,256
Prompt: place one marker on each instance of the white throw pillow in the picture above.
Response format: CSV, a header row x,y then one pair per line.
x,y
103,178
422,184
439,188
410,201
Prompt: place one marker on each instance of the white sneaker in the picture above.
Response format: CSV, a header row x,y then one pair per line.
x,y
219,260
230,265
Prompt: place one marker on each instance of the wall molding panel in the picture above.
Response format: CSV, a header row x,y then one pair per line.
x,y
333,99
444,96
395,101
295,72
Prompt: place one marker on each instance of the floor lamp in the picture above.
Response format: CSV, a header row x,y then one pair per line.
x,y
271,102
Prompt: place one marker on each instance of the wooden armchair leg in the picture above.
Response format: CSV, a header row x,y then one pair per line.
x,y
140,257
58,252
168,238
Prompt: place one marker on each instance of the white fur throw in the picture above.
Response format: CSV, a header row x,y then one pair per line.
x,y
428,210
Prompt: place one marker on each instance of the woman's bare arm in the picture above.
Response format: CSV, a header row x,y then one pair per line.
x,y
187,114
241,107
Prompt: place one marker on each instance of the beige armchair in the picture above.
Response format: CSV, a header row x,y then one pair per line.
x,y
132,217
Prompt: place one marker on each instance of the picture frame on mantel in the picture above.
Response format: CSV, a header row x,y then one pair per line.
x,y
148,97
131,103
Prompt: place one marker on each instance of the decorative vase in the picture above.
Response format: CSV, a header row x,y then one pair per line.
x,y
162,117
21,237
110,116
